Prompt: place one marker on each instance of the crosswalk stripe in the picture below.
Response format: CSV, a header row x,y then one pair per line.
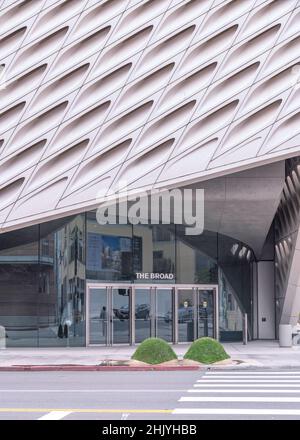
x,y
240,399
55,415
289,372
238,411
250,377
229,390
249,381
279,385
269,393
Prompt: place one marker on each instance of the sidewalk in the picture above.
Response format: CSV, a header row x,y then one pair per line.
x,y
265,354
258,354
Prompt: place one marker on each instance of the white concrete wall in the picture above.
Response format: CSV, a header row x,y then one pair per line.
x,y
266,300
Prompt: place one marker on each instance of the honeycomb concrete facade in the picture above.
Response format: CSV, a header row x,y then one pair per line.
x,y
99,96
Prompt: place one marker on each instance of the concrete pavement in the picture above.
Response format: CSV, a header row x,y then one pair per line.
x,y
256,353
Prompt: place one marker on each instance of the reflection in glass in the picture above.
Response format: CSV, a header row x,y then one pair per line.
x,y
142,314
19,287
154,251
61,302
164,314
121,315
197,257
109,251
230,314
98,316
235,293
185,315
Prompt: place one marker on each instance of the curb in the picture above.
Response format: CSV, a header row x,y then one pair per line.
x,y
96,368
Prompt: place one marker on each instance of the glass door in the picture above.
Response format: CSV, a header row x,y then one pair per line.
x,y
153,313
98,319
143,313
121,315
206,313
186,314
109,315
164,314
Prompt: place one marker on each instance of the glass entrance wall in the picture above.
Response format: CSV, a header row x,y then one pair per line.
x,y
53,262
168,312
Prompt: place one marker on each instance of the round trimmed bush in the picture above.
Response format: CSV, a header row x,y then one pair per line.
x,y
154,351
206,351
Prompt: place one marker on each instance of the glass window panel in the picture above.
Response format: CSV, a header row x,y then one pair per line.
x,y
61,301
196,261
19,286
235,293
109,251
230,314
154,254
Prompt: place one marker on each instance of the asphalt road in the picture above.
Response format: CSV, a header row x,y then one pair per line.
x,y
165,395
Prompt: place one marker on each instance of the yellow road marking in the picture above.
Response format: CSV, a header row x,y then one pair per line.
x,y
79,410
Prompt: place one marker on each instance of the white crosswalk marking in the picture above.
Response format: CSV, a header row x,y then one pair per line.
x,y
243,394
265,373
251,377
245,385
239,411
252,390
55,415
249,381
239,399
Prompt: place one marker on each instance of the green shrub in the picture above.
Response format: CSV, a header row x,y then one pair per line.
x,y
154,351
206,351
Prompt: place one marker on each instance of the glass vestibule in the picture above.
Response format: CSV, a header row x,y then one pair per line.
x,y
128,314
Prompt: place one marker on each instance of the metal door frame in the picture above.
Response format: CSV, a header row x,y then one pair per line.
x,y
153,288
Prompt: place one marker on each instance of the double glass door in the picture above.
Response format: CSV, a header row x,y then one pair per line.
x,y
196,313
128,314
109,320
153,313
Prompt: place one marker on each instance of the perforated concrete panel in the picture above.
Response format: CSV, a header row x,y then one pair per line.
x,y
101,95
